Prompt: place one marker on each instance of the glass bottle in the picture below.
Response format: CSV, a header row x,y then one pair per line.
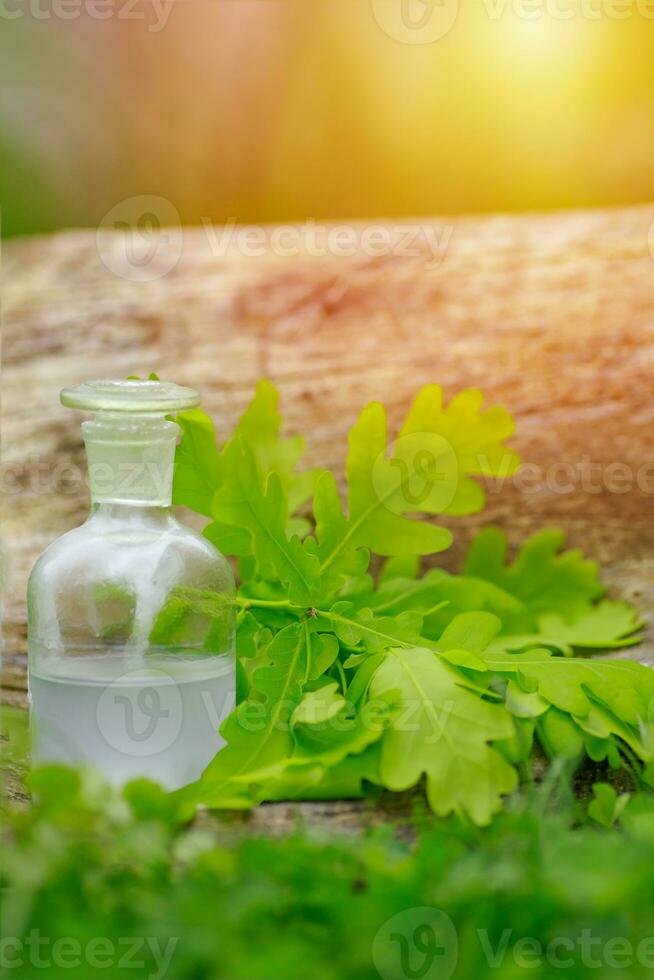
x,y
130,623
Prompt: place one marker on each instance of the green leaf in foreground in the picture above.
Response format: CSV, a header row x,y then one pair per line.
x,y
607,807
260,428
198,469
603,697
327,728
556,594
475,437
201,466
425,471
541,577
254,517
623,685
442,731
258,733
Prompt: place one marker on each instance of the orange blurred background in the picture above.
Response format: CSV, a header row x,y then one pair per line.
x,y
259,110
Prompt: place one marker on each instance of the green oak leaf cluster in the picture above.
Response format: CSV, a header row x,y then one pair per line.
x,y
360,673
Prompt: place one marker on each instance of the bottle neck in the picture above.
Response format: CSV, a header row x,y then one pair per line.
x,y
130,460
145,515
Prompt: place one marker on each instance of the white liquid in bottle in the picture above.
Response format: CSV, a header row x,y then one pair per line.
x,y
160,722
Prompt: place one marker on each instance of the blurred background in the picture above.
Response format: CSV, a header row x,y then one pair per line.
x,y
256,110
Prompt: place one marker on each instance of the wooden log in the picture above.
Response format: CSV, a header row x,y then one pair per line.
x,y
551,315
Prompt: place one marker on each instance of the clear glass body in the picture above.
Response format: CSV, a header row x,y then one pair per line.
x,y
131,634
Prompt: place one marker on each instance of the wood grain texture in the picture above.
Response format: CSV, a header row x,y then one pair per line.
x,y
551,315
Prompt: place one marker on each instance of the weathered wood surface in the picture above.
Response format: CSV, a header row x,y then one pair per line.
x,y
552,316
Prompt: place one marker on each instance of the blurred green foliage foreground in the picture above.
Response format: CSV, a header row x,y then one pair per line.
x,y
97,883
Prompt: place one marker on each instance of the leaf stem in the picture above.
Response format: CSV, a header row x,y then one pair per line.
x,y
335,617
341,674
247,603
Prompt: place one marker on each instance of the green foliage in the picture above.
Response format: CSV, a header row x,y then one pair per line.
x,y
357,684
251,521
556,593
606,806
198,469
266,751
444,731
90,875
200,465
